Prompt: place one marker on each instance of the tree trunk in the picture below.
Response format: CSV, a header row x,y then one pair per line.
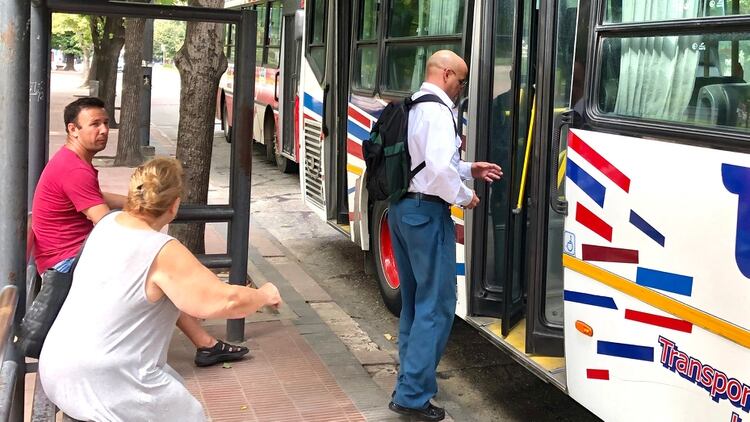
x,y
201,63
112,39
96,47
129,138
70,62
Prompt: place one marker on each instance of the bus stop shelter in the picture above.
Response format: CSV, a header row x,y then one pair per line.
x,y
25,30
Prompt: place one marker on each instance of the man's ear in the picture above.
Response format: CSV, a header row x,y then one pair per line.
x,y
72,130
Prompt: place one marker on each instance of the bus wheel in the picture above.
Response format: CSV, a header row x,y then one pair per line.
x,y
270,140
225,123
384,259
285,164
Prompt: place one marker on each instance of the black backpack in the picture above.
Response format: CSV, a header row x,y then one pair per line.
x,y
386,152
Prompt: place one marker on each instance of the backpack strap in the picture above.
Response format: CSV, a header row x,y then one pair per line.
x,y
430,98
427,98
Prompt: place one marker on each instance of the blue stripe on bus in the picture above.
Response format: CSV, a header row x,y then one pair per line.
x,y
589,299
351,190
669,282
460,268
313,104
646,228
357,131
622,350
586,182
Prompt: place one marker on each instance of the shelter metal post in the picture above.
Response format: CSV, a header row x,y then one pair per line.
x,y
148,63
39,79
14,119
241,158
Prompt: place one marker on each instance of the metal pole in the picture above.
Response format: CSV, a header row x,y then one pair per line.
x,y
14,119
148,62
41,28
140,10
241,159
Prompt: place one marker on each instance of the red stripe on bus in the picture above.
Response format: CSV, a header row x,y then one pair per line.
x,y
360,118
597,374
661,321
354,149
589,154
606,254
460,234
593,223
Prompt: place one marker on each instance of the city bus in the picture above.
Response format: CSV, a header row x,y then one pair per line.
x,y
276,79
613,258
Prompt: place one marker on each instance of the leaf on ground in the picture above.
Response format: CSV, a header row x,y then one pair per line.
x,y
243,407
388,337
226,365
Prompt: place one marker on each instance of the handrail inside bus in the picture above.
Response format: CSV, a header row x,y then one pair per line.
x,y
522,188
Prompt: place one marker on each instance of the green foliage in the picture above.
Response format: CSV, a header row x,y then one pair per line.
x,y
70,33
168,38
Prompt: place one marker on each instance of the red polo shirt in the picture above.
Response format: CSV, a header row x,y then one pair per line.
x,y
68,185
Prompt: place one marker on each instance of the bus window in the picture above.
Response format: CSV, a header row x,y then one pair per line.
x,y
410,18
366,54
316,36
261,34
404,64
405,54
688,79
229,44
273,45
627,11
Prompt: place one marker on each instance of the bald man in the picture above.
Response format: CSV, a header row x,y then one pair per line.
x,y
424,240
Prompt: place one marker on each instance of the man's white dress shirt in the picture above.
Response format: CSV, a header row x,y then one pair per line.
x,y
433,139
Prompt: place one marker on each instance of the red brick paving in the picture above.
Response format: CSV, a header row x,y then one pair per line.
x,y
283,381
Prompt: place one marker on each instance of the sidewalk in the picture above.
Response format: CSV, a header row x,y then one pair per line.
x,y
299,369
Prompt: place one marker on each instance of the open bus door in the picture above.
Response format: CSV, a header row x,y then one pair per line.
x,y
503,117
335,110
324,109
516,278
289,71
555,95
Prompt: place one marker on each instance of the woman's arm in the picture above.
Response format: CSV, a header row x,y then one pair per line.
x,y
196,291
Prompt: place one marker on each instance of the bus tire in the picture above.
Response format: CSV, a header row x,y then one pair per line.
x,y
383,258
269,138
225,123
285,164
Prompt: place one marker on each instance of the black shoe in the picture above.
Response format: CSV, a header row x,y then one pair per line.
x,y
430,413
220,352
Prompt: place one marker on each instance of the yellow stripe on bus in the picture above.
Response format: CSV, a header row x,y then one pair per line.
x,y
457,212
688,313
354,169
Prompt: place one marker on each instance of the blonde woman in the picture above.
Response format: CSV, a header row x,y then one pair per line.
x,y
104,358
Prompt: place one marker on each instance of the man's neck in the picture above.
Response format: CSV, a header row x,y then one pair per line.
x,y
81,152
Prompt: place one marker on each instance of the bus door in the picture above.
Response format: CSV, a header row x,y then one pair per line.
x,y
546,197
291,54
312,89
505,100
335,109
657,178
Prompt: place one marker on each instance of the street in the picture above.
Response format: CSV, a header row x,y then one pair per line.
x,y
477,381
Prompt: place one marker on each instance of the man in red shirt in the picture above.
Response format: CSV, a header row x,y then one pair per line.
x,y
68,202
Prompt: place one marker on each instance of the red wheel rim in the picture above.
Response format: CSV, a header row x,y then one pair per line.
x,y
387,260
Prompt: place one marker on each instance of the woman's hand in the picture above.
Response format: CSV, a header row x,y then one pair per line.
x,y
272,296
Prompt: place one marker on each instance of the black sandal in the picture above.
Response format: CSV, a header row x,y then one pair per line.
x,y
220,352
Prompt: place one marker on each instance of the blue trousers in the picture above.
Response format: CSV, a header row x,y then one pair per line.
x,y
424,245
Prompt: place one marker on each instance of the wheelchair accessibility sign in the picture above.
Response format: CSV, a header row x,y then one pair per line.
x,y
569,243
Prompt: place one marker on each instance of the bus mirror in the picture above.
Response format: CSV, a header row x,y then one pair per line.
x,y
299,24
